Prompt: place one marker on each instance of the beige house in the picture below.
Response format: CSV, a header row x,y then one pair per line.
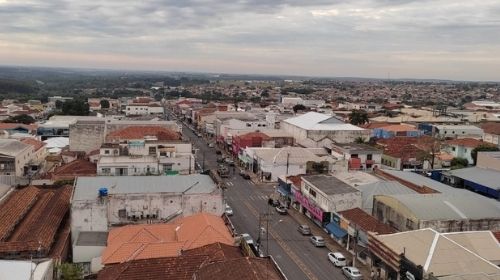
x,y
14,157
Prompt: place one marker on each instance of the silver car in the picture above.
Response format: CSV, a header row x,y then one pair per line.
x,y
318,241
304,229
352,273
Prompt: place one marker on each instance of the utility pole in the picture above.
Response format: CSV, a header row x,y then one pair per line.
x,y
287,163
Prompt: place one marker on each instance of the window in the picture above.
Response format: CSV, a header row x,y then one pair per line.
x,y
106,170
122,213
312,193
369,156
409,224
106,152
453,148
354,156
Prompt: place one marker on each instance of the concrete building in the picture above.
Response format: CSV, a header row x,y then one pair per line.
x,y
27,270
15,157
458,131
491,133
397,130
99,128
463,147
311,128
270,163
441,212
358,156
99,203
428,254
322,196
137,109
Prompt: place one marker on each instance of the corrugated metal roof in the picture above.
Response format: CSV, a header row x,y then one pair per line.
x,y
486,177
86,188
368,191
318,121
449,207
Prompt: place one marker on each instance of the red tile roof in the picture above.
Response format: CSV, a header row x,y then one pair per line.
x,y
37,145
30,219
242,269
366,222
373,125
251,135
399,127
134,242
491,128
78,167
467,142
172,268
497,235
29,127
139,132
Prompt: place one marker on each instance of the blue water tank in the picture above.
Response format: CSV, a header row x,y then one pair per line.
x,y
103,192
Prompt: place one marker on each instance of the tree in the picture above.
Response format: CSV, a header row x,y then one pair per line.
x,y
104,104
358,117
458,162
75,108
70,271
59,104
25,119
299,107
430,147
359,140
482,148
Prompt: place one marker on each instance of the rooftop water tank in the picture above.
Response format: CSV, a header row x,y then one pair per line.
x,y
103,192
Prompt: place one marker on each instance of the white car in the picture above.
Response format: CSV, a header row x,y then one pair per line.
x,y
337,259
352,273
318,241
228,210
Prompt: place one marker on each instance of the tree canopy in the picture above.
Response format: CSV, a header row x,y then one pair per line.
x,y
299,107
75,107
104,104
458,162
24,119
358,117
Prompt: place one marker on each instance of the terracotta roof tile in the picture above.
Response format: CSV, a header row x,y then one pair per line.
x,y
366,222
467,142
78,167
491,128
242,269
139,132
497,235
37,145
162,240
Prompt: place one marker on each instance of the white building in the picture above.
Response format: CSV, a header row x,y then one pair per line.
x,y
27,270
459,131
15,157
358,156
311,128
329,193
145,157
270,163
138,109
101,202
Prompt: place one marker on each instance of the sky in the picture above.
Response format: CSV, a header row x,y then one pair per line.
x,y
441,39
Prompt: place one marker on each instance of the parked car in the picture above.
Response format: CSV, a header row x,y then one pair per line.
x,y
229,161
272,202
198,134
352,273
304,229
281,210
228,210
318,241
337,259
244,175
211,145
218,152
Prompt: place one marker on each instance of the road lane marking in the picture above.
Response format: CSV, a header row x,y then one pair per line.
x,y
296,259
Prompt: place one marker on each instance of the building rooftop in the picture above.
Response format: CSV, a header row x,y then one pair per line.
x,y
12,147
483,243
365,221
467,142
292,155
318,121
486,177
448,207
30,219
92,238
86,188
437,253
140,132
329,184
368,191
356,178
133,242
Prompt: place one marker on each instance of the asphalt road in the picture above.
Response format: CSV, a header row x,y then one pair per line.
x,y
294,253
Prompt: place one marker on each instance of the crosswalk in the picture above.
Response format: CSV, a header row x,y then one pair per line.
x,y
252,197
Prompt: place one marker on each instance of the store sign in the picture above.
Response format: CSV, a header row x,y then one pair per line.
x,y
310,206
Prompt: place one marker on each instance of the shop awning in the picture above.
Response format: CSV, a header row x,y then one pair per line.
x,y
282,190
334,228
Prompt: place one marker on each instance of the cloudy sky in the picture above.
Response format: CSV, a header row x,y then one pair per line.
x,y
454,39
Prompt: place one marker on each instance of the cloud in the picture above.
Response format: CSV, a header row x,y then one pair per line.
x,y
314,37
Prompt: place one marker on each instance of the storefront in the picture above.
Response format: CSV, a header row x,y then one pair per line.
x,y
311,210
285,191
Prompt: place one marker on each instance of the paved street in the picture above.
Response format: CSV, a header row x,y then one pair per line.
x,y
298,258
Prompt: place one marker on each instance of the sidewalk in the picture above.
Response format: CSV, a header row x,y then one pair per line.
x,y
330,243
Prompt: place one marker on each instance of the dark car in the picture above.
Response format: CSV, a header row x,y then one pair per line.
x,y
244,175
281,210
218,152
273,202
